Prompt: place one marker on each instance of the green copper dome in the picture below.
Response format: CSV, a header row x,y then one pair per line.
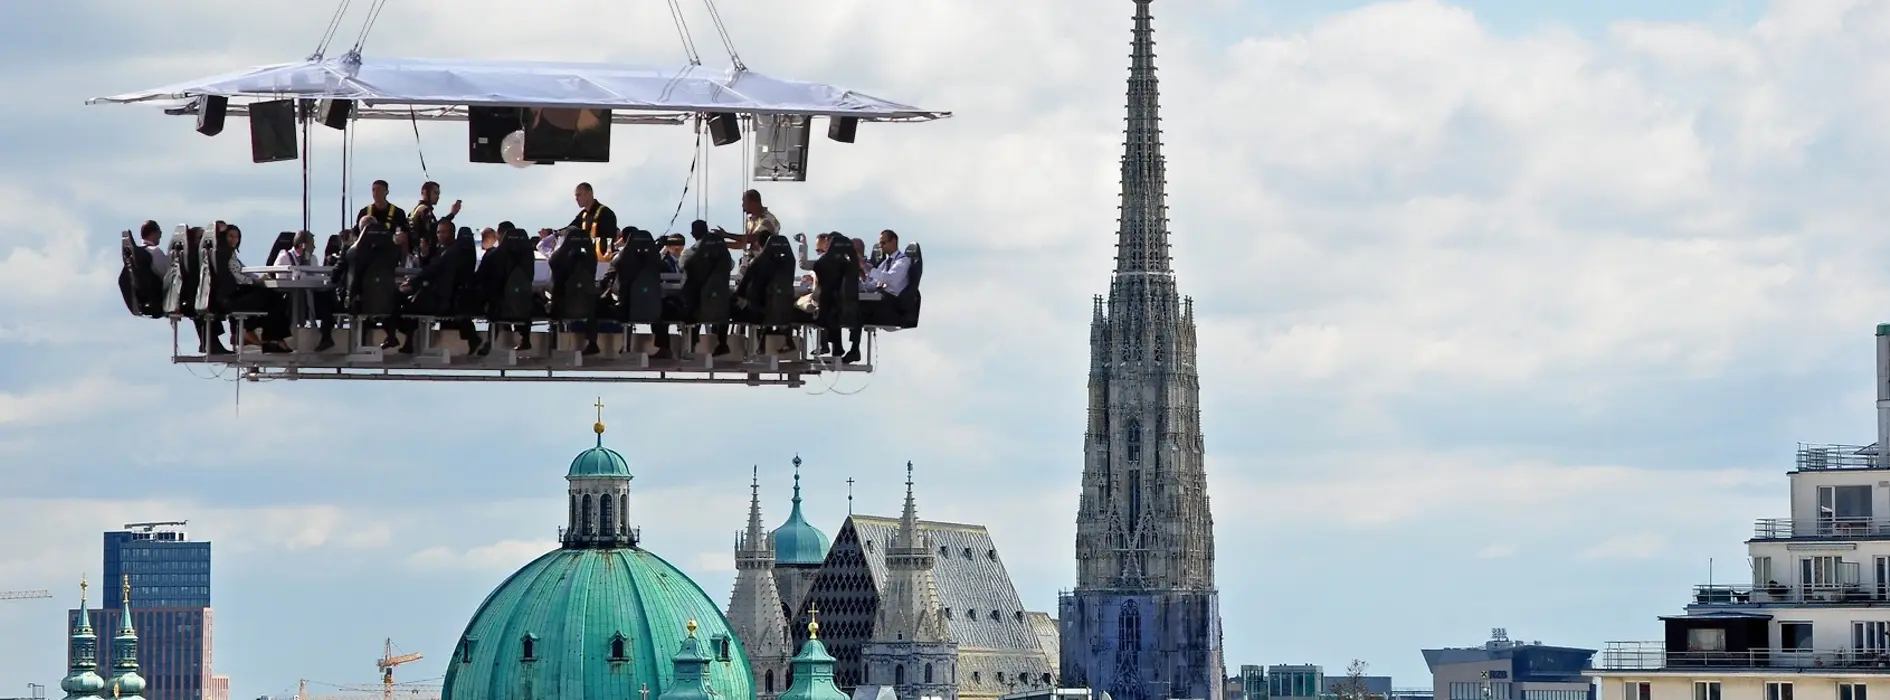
x,y
599,461
599,624
797,542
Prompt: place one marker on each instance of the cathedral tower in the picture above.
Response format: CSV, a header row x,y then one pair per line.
x,y
1144,620
912,649
755,608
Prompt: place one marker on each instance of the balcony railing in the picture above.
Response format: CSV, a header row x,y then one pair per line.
x,y
1653,656
1820,528
1819,457
1835,594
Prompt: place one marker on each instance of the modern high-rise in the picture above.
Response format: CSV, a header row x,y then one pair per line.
x,y
1501,669
170,607
1143,622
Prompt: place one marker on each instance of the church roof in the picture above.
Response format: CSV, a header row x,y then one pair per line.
x,y
599,461
1048,636
970,576
571,604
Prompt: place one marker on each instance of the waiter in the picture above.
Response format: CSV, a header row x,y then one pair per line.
x,y
593,217
425,217
391,218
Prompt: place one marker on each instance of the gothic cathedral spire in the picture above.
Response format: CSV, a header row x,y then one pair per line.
x,y
755,610
1143,622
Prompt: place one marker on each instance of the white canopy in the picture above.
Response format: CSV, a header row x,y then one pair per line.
x,y
423,82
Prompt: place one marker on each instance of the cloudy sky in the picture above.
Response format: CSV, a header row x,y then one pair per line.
x,y
1511,313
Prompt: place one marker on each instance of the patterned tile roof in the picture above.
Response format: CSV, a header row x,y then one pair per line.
x,y
971,579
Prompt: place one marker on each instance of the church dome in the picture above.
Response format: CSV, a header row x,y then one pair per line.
x,y
591,623
599,461
599,618
798,542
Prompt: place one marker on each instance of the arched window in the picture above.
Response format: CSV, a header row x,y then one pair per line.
x,y
1135,440
768,681
899,675
573,519
623,513
609,526
584,525
528,648
618,647
928,673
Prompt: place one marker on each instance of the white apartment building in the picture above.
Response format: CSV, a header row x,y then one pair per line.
x,y
1814,622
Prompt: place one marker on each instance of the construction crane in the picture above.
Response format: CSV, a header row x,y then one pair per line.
x,y
387,663
24,595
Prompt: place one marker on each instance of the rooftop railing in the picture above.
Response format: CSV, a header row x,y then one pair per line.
x,y
1819,457
1654,656
1820,528
1782,594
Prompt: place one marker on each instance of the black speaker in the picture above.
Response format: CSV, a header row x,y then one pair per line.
x,y
272,131
842,129
725,128
334,113
210,112
486,128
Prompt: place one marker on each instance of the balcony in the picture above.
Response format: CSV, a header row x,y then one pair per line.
x,y
1836,594
1821,528
1821,457
1653,656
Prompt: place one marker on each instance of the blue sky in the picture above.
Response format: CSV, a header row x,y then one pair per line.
x,y
1511,313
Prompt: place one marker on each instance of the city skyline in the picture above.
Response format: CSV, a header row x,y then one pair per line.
x,y
1444,321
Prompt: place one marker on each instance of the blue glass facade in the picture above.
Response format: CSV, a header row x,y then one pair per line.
x,y
170,606
166,570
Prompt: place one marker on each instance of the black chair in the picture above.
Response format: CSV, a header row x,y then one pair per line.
x,y
838,275
639,280
574,279
777,267
705,282
373,288
284,241
511,301
142,288
906,303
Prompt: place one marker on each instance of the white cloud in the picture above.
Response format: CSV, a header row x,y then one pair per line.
x,y
1645,545
79,398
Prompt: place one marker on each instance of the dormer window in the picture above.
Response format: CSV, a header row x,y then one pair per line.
x,y
528,648
465,650
619,647
722,647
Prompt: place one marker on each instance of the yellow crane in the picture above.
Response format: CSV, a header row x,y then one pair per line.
x,y
387,663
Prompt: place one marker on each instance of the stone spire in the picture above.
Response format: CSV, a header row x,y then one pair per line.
x,y
909,606
83,680
1142,237
755,610
125,681
1144,616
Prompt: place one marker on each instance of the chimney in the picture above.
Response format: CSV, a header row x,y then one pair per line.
x,y
1882,457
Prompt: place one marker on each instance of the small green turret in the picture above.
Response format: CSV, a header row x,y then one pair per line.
x,y
125,682
83,680
813,667
691,671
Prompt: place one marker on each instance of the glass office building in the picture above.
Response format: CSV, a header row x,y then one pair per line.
x,y
170,607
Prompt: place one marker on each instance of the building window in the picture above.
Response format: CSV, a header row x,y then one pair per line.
x,y
991,554
721,647
768,681
1135,440
1709,690
976,679
995,616
1794,636
1870,635
899,675
1849,691
465,650
1637,690
1706,640
619,647
928,675
1778,691
528,648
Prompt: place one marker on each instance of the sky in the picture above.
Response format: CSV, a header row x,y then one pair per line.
x,y
1510,314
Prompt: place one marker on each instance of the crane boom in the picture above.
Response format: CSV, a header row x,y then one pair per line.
x,y
386,664
24,595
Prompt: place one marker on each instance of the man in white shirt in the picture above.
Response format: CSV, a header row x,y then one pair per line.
x,y
889,275
151,236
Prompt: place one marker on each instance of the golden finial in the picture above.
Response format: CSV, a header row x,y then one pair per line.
x,y
598,427
813,622
83,584
126,598
114,689
691,627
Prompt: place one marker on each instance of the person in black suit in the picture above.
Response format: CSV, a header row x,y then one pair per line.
x,y
436,289
696,263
